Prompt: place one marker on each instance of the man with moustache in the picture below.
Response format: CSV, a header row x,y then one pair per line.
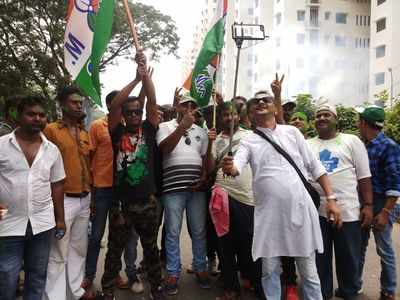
x,y
285,219
134,187
67,256
345,158
31,192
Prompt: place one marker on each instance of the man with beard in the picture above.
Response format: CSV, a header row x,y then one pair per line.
x,y
286,221
134,187
67,256
31,201
236,244
346,160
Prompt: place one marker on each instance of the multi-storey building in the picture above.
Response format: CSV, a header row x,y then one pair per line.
x,y
322,47
385,48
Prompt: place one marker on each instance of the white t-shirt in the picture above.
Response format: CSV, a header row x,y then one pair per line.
x,y
345,158
239,187
183,165
26,191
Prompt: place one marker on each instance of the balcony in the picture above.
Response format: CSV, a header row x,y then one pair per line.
x,y
313,2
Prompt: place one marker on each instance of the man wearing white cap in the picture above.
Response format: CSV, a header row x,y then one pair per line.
x,y
346,161
184,146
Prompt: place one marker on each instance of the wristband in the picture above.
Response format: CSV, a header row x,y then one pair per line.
x,y
386,210
331,197
367,204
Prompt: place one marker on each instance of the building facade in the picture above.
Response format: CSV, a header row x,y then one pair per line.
x,y
385,48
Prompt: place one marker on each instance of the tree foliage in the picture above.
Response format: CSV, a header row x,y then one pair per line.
x,y
32,41
347,119
392,121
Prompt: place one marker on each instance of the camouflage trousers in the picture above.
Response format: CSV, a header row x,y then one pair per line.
x,y
143,216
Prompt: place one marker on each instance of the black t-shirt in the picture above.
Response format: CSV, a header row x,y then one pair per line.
x,y
134,164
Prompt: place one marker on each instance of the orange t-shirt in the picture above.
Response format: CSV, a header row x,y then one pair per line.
x,y
75,157
102,154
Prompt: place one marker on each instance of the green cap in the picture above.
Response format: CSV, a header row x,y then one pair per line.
x,y
372,114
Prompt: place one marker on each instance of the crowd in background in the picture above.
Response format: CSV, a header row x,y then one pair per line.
x,y
263,202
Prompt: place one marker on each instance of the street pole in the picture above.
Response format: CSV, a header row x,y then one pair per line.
x,y
391,87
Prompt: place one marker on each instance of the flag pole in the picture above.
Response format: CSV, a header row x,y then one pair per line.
x,y
215,94
131,25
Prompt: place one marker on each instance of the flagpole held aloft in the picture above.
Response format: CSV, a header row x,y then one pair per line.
x,y
215,94
132,27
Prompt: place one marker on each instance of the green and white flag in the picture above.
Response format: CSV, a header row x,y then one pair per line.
x,y
88,31
206,63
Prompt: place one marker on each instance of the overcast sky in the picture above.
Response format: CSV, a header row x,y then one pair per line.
x,y
167,74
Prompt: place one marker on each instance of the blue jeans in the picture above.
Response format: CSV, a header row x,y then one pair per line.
x,y
271,281
196,208
384,248
34,251
103,198
347,242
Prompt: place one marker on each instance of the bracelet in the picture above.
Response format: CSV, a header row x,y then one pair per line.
x,y
331,197
386,210
367,204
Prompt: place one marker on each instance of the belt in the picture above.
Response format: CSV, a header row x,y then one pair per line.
x,y
77,195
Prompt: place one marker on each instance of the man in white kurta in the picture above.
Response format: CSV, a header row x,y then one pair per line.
x,y
285,218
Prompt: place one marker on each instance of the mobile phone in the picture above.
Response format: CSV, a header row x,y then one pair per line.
x,y
59,234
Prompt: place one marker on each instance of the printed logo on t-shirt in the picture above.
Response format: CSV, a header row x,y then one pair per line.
x,y
330,162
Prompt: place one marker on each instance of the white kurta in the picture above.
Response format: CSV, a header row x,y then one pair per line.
x,y
286,222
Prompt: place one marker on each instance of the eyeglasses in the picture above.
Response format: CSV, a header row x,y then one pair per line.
x,y
264,99
188,141
137,112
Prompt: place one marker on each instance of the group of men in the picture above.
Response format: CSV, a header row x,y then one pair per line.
x,y
276,201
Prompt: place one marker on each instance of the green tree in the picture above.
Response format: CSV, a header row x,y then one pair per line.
x,y
32,40
347,119
306,104
392,122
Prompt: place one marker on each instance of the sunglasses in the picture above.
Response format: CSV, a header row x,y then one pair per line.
x,y
137,112
265,100
188,141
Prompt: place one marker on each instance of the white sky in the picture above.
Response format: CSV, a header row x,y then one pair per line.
x,y
168,71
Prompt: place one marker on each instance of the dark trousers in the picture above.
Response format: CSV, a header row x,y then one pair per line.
x,y
288,276
34,251
347,242
143,216
236,246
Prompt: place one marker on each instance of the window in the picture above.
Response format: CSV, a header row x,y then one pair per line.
x,y
278,18
341,18
379,2
277,64
357,20
278,42
314,16
379,78
369,20
301,15
256,4
380,25
249,73
340,41
327,15
314,37
301,38
380,51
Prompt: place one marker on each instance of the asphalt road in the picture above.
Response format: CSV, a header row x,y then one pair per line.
x,y
189,290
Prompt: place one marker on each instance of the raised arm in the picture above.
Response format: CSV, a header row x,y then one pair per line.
x,y
276,87
114,117
151,104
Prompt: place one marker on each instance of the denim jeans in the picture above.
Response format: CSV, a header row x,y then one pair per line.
x,y
34,251
103,199
174,206
271,270
384,248
347,242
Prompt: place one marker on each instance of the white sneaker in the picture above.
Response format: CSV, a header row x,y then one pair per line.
x,y
137,287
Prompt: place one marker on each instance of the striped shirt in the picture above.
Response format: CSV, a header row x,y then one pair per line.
x,y
182,167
